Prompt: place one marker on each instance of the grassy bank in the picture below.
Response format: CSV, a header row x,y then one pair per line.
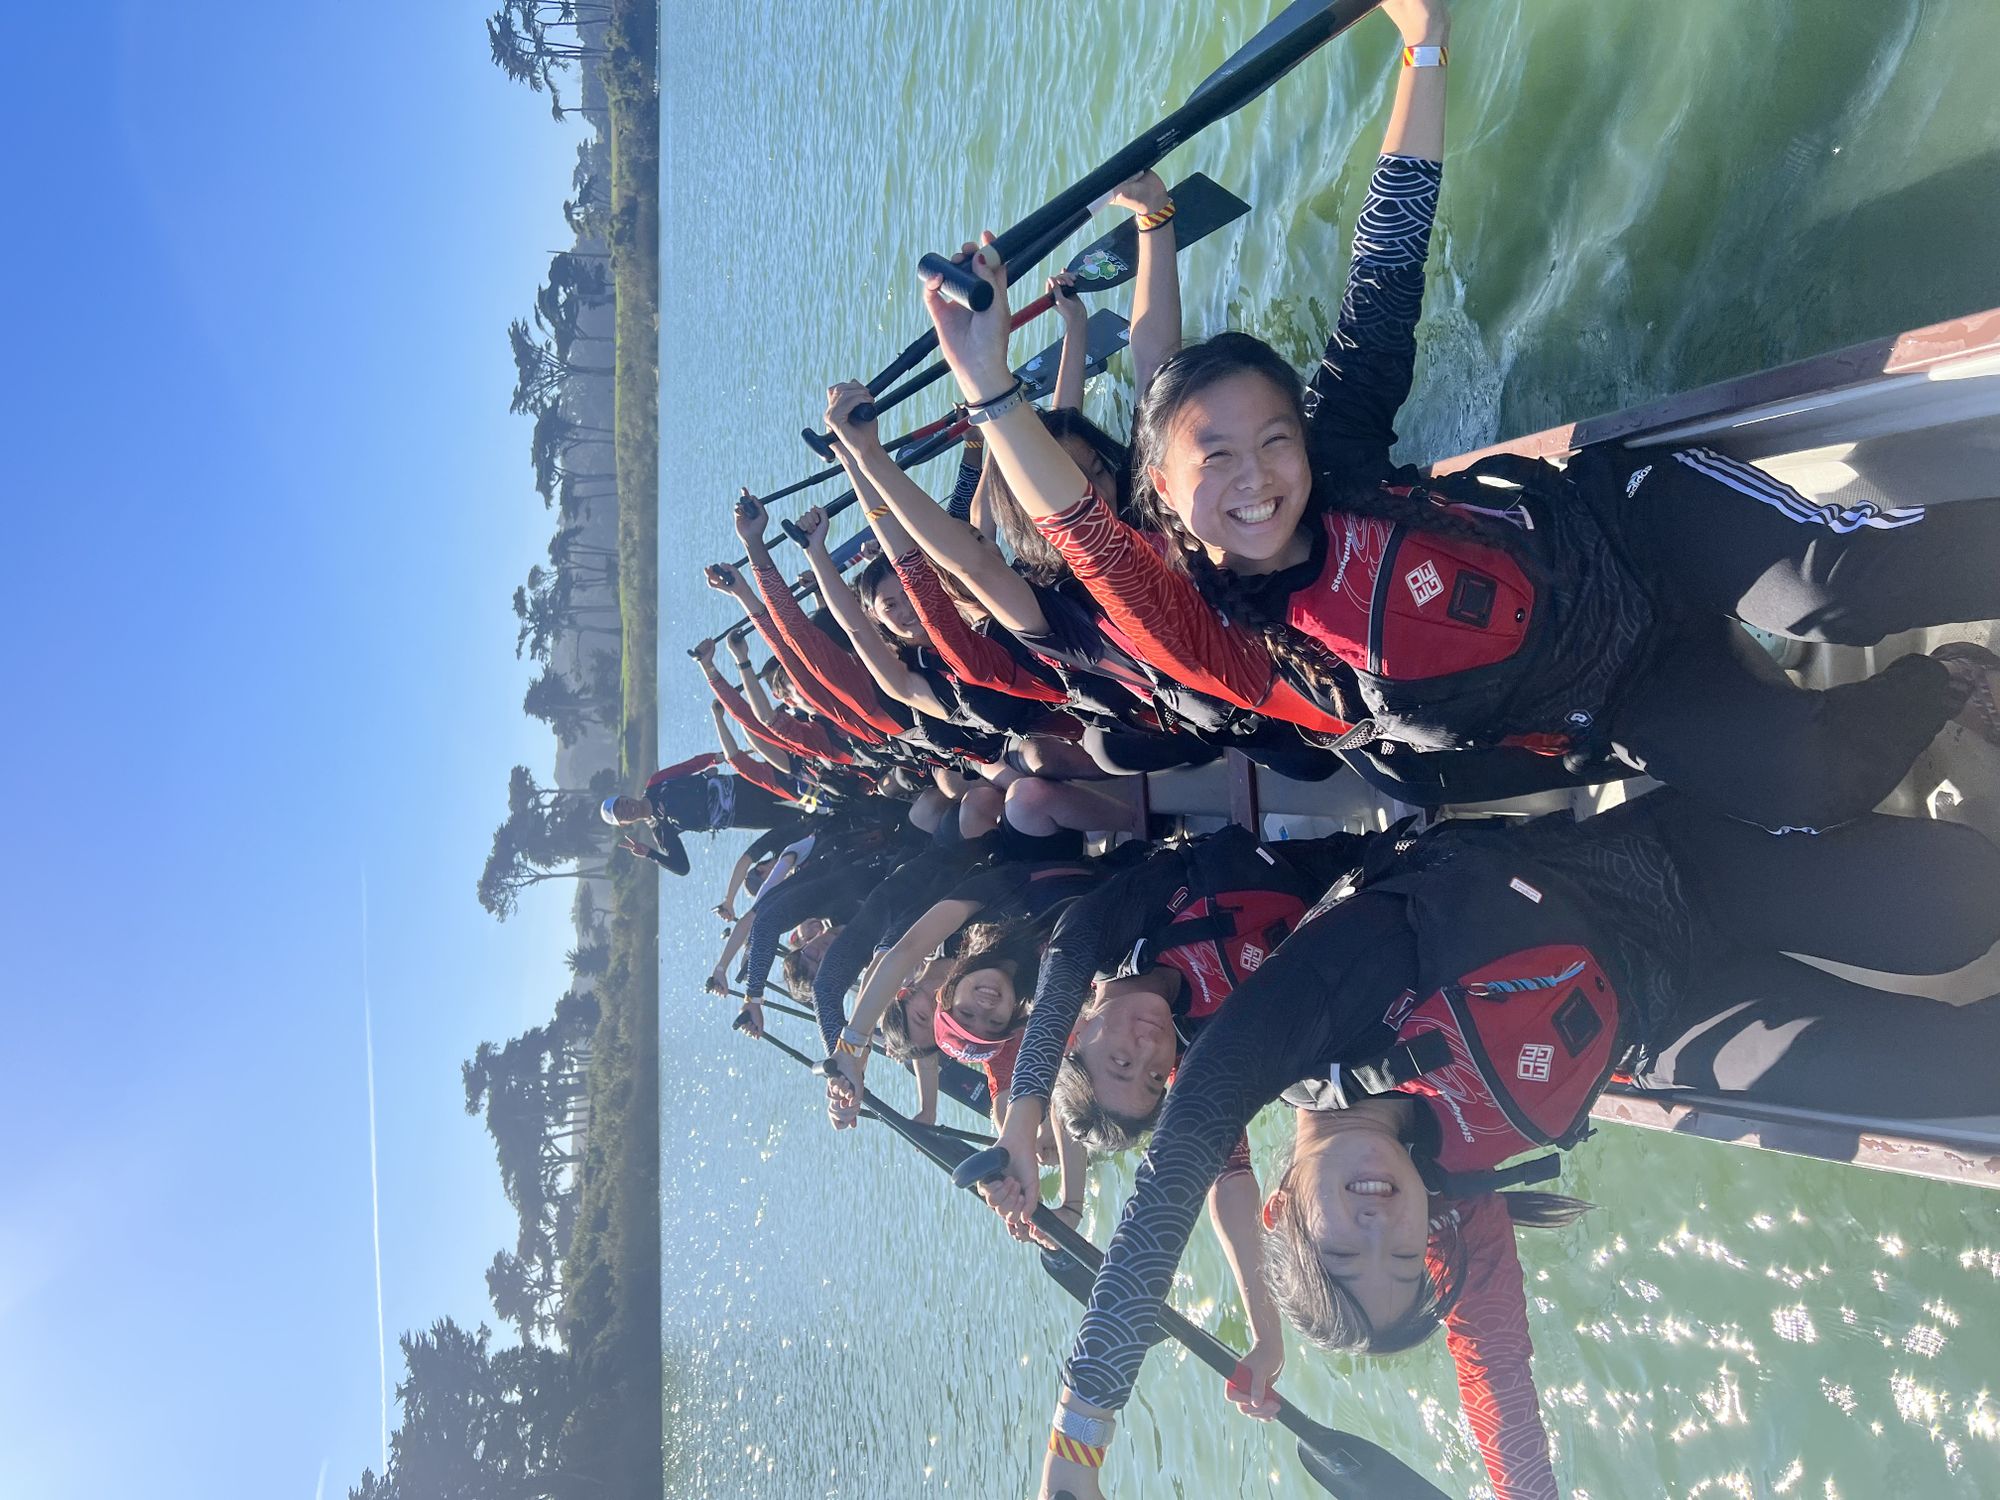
x,y
613,1305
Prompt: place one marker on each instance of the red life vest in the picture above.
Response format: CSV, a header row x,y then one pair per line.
x,y
1239,901
1527,1043
1517,1028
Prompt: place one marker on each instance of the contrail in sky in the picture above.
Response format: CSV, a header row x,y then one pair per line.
x,y
374,1175
319,1489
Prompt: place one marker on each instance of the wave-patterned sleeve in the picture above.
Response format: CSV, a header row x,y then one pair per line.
x,y
831,662
1364,377
1158,610
1093,931
970,461
775,914
1487,1333
969,656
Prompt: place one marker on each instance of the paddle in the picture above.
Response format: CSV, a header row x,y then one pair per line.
x,y
1105,334
1201,206
915,434
974,1137
1344,1464
1292,36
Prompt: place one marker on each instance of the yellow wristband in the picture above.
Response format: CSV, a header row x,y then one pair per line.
x,y
1423,57
1075,1452
1158,217
875,513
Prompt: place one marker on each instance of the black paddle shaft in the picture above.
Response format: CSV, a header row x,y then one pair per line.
x,y
1299,31
1344,1464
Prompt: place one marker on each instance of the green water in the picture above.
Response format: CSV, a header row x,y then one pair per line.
x,y
1637,199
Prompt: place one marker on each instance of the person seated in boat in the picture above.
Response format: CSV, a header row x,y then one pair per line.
x,y
844,870
1138,967
1580,612
752,707
917,642
1002,895
691,796
837,686
1462,998
771,872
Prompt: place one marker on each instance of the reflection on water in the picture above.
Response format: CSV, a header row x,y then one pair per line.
x,y
1638,199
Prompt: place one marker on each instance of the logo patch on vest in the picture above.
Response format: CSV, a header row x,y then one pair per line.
x,y
1250,957
1533,1066
1518,884
1425,585
1577,1022
1180,899
1472,596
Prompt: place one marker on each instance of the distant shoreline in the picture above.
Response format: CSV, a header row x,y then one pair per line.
x,y
613,1266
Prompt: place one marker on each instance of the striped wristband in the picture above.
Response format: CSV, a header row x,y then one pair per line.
x,y
1076,1452
1159,216
1423,57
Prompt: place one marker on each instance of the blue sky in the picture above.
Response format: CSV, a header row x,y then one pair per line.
x,y
267,508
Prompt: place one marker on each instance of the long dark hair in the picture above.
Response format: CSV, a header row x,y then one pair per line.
x,y
1034,557
1325,1313
1184,375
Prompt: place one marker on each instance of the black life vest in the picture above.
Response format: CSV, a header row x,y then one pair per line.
x,y
1239,900
1513,1028
1520,636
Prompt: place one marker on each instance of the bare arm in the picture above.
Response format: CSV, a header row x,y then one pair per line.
x,y
888,669
903,960
1156,287
1235,1211
1068,394
958,548
1416,119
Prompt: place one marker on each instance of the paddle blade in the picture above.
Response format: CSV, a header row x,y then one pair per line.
x,y
1328,16
1355,1469
1106,334
1201,206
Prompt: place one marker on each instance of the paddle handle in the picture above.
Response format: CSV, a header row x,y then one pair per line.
x,y
958,281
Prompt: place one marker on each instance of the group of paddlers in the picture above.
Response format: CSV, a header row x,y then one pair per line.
x,y
944,766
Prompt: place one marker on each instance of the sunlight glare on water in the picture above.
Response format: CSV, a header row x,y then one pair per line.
x,y
1637,200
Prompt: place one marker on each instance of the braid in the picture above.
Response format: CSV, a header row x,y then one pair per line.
x,y
1292,649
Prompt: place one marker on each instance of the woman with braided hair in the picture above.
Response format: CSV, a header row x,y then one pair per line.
x,y
1580,613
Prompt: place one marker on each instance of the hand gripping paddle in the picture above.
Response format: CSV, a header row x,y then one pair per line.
x,y
1201,206
1345,1465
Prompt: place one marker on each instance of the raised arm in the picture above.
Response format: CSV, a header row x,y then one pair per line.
x,y
1364,377
1075,360
732,702
1235,1211
1156,285
892,972
953,544
891,673
818,696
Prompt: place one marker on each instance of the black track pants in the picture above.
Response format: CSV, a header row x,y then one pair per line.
x,y
1900,895
1796,1035
1718,718
1715,537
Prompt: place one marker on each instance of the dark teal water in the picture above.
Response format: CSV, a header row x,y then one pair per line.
x,y
1637,199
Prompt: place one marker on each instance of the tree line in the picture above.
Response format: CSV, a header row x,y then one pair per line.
x,y
504,1423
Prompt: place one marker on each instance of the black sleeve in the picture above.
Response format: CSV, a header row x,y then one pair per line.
x,y
1317,1001
966,485
801,896
773,841
1370,360
1096,930
657,858
891,907
991,886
